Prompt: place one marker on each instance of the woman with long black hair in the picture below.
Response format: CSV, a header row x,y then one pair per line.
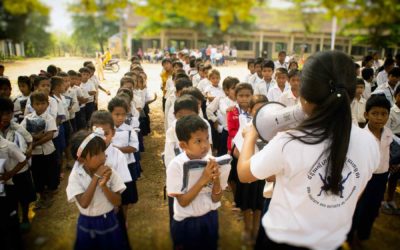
x,y
321,166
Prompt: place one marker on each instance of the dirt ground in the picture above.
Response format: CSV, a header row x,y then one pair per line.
x,y
55,227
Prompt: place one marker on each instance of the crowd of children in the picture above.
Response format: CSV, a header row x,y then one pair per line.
x,y
56,119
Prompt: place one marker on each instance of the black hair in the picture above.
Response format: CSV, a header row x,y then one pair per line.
x,y
1,66
24,80
86,63
55,81
377,100
117,102
229,82
294,73
367,73
360,81
281,52
187,125
192,63
182,83
84,70
186,102
38,96
38,79
166,60
395,72
242,86
94,146
4,81
127,79
357,66
396,91
91,67
250,62
177,63
62,74
268,64
126,91
101,117
259,61
193,91
329,82
7,106
388,62
283,71
202,67
72,73
52,70
366,59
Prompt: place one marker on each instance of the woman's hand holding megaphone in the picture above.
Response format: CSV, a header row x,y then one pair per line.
x,y
250,132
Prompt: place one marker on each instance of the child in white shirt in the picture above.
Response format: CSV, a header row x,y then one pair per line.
x,y
213,90
25,87
203,82
250,67
291,96
257,76
195,223
267,82
358,104
83,98
96,190
281,86
89,87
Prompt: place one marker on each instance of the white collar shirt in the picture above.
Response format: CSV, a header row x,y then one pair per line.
x,y
263,87
288,98
10,156
384,149
358,109
117,161
275,92
125,136
394,120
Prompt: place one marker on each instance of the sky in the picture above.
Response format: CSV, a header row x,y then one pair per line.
x,y
60,19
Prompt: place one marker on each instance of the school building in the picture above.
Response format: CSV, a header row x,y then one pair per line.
x,y
274,30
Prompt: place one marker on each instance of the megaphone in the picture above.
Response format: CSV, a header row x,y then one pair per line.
x,y
274,117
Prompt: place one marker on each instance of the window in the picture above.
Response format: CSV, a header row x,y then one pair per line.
x,y
299,47
280,47
358,50
243,45
339,47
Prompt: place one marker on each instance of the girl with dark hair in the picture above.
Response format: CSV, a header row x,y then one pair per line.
x,y
319,166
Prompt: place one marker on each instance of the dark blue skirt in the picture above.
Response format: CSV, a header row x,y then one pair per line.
x,y
100,232
130,194
135,170
196,232
141,142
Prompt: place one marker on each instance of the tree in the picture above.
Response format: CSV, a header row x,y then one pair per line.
x,y
94,22
213,17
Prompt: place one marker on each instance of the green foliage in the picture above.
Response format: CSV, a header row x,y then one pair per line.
x,y
37,40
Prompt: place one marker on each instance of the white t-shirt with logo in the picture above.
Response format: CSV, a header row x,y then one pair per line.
x,y
301,213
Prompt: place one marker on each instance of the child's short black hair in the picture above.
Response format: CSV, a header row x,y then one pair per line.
x,y
388,62
187,125
187,102
397,91
282,52
72,73
268,64
377,100
128,79
62,74
360,81
282,71
203,67
357,66
38,96
1,66
7,106
229,82
24,80
101,117
259,61
38,79
56,81
242,86
195,92
367,73
182,83
86,63
395,72
84,70
117,102
126,91
177,63
192,63
4,81
250,61
256,99
91,67
166,60
94,146
294,73
52,70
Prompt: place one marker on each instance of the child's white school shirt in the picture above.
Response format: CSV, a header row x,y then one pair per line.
x,y
18,135
200,205
88,87
216,110
170,86
62,111
169,107
196,79
254,80
288,99
80,92
381,78
203,84
78,183
301,213
71,100
384,149
275,92
210,90
96,83
117,161
394,120
19,106
263,87
367,91
47,147
125,136
246,79
11,154
52,109
280,65
358,109
387,90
